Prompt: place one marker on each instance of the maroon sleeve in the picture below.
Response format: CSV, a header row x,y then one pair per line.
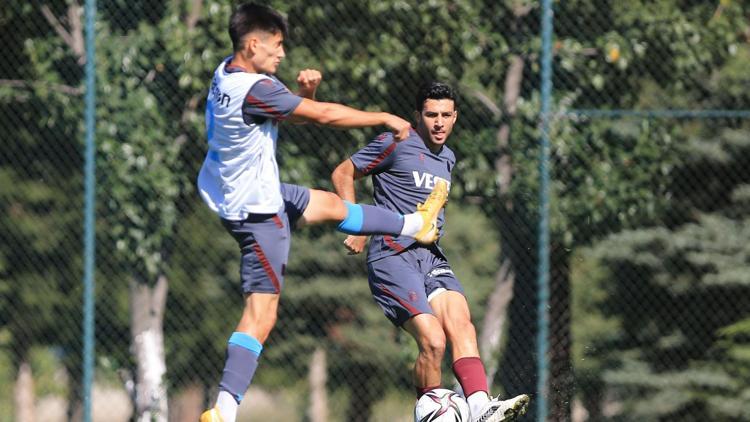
x,y
377,156
268,99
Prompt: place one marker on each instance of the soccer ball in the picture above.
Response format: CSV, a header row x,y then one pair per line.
x,y
441,405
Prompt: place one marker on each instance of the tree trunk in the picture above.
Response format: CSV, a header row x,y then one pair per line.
x,y
188,404
147,317
366,391
24,394
514,294
561,377
518,367
494,319
518,259
497,306
592,400
318,411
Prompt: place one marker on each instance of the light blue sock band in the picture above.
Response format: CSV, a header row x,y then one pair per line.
x,y
246,341
352,224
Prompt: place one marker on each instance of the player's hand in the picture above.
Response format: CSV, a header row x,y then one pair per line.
x,y
308,81
355,244
399,127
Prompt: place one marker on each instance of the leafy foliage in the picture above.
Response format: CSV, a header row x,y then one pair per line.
x,y
650,323
676,346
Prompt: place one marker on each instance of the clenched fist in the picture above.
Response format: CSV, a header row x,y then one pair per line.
x,y
308,81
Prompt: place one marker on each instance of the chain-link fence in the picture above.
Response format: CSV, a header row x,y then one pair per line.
x,y
648,209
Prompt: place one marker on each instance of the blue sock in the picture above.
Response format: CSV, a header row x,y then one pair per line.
x,y
242,361
368,219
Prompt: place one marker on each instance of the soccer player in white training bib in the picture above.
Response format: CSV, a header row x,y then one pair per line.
x,y
413,283
239,180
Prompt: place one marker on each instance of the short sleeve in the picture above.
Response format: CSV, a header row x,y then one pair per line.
x,y
377,156
268,99
451,161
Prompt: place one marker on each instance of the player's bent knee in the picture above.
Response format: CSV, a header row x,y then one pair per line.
x,y
323,207
335,209
434,344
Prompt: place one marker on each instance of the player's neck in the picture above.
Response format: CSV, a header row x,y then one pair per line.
x,y
434,148
239,61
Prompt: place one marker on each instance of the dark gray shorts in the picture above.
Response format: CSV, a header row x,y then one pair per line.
x,y
265,239
402,284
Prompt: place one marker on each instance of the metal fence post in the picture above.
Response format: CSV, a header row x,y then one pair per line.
x,y
89,238
543,270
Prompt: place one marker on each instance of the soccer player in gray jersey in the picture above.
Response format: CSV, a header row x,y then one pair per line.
x,y
239,180
413,283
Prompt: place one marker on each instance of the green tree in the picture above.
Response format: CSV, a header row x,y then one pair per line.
x,y
676,349
40,193
154,64
614,174
140,134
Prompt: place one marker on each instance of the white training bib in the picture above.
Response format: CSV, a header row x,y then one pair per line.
x,y
239,175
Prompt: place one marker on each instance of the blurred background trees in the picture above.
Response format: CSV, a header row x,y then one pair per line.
x,y
648,206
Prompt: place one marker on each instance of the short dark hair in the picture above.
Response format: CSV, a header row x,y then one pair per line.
x,y
434,90
250,17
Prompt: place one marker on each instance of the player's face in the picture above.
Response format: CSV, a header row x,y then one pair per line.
x,y
435,122
268,51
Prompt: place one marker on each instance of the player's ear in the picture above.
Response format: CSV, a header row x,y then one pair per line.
x,y
455,116
250,44
417,117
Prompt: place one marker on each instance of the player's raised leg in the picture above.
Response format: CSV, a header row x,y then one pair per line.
x,y
367,219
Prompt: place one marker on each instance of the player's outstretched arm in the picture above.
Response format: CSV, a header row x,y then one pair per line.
x,y
343,178
344,117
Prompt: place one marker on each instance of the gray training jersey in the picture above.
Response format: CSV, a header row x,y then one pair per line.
x,y
403,174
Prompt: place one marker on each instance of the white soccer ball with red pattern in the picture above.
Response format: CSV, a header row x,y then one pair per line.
x,y
441,405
